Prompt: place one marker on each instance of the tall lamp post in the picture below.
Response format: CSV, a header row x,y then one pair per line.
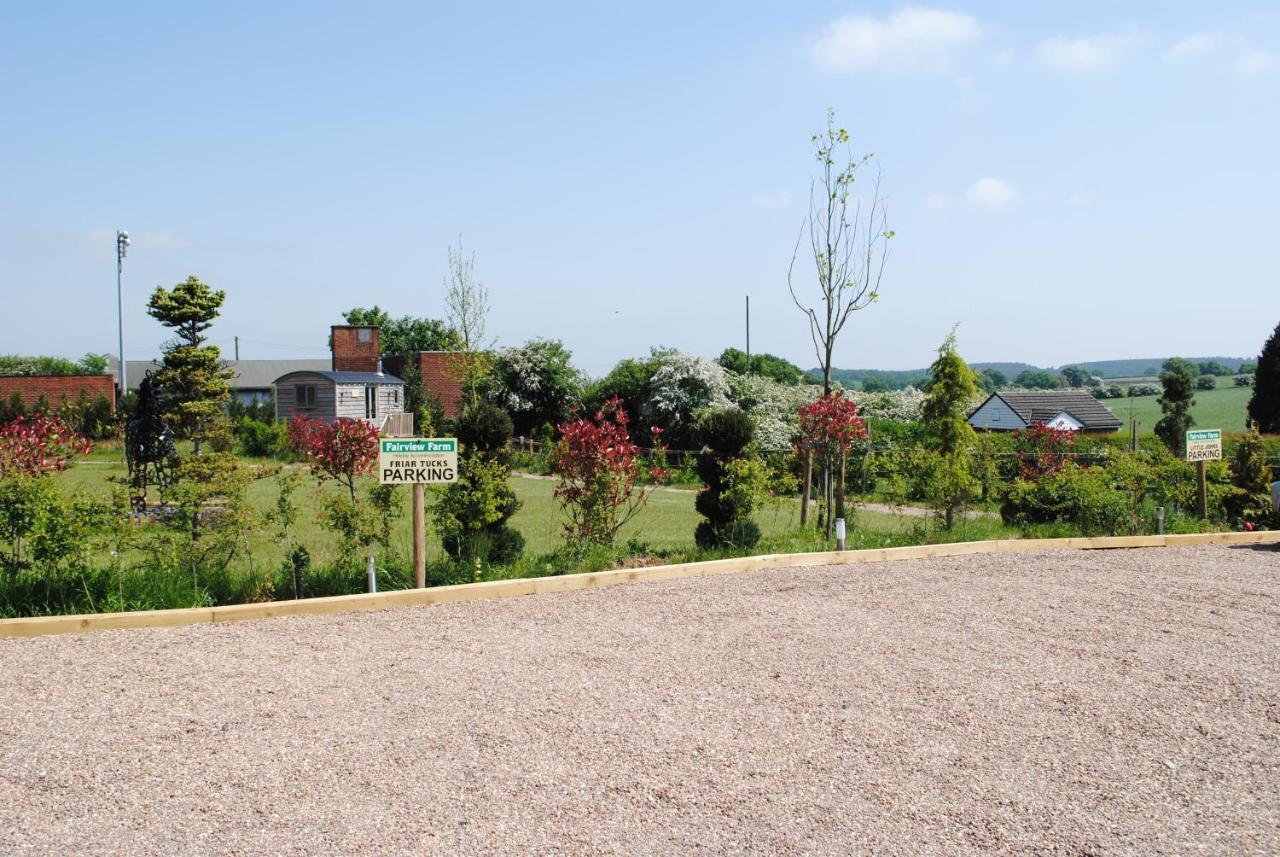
x,y
122,250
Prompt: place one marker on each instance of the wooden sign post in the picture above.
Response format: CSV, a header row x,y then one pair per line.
x,y
418,461
419,536
1203,445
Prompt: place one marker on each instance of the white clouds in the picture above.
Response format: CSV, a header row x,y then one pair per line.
x,y
911,39
772,199
1249,61
1193,47
1085,54
1253,62
936,201
991,192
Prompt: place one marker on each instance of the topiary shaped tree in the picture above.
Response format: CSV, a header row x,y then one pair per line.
x,y
473,512
725,434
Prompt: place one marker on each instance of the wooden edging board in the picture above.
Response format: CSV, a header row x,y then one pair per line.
x,y
41,625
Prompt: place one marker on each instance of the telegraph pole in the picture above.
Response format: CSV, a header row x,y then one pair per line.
x,y
122,249
748,334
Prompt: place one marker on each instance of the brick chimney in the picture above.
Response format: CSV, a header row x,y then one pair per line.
x,y
355,348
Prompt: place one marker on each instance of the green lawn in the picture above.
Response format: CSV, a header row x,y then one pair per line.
x,y
1222,408
666,522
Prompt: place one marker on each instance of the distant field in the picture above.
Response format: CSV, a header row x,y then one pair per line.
x,y
1222,408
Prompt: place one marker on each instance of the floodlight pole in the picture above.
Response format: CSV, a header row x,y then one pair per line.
x,y
122,249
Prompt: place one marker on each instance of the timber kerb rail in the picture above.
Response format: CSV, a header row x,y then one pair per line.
x,y
44,625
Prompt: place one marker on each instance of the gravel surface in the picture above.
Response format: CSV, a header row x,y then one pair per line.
x,y
1064,703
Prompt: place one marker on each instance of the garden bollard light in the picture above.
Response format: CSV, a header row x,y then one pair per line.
x,y
839,533
1160,521
371,572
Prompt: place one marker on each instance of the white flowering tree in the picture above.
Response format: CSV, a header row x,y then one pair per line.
x,y
683,386
536,384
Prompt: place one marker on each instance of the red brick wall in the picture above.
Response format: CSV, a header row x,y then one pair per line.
x,y
349,353
441,374
57,388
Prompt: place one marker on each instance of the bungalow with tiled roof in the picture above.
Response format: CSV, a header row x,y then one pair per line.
x,y
1072,410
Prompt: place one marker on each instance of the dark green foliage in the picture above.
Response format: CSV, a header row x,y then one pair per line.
x,y
767,365
1251,475
875,385
1264,405
472,513
1083,498
991,380
495,545
195,381
91,417
13,408
483,428
629,382
1206,382
726,431
405,334
1178,380
1076,376
263,412
724,434
1038,379
1213,367
260,439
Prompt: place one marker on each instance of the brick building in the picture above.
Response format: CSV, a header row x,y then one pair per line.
x,y
57,389
441,373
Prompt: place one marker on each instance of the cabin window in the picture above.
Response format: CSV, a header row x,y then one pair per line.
x,y
364,334
306,395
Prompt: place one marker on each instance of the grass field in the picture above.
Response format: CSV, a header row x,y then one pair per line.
x,y
1222,408
665,523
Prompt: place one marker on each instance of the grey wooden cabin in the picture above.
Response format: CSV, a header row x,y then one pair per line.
x,y
330,396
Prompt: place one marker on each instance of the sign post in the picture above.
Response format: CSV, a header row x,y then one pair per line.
x,y
1203,445
418,461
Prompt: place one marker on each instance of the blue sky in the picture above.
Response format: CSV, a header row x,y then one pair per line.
x,y
1067,181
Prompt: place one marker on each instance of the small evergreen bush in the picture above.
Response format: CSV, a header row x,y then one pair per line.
x,y
724,434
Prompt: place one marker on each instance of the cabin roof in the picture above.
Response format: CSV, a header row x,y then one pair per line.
x,y
348,377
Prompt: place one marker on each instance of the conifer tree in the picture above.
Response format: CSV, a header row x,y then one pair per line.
x,y
193,375
1264,405
951,387
1178,380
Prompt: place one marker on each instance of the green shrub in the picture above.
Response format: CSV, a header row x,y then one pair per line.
x,y
732,489
1084,498
260,439
483,428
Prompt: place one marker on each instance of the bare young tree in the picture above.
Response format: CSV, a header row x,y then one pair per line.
x,y
466,299
850,244
466,302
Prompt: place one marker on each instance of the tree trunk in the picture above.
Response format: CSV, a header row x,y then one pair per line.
x,y
951,517
840,486
828,522
806,482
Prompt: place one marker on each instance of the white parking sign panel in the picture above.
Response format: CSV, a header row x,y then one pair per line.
x,y
409,460
1204,445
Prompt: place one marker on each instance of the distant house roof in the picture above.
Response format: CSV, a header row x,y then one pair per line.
x,y
1041,406
249,374
347,377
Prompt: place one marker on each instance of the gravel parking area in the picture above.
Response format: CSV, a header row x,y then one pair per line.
x,y
1063,703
